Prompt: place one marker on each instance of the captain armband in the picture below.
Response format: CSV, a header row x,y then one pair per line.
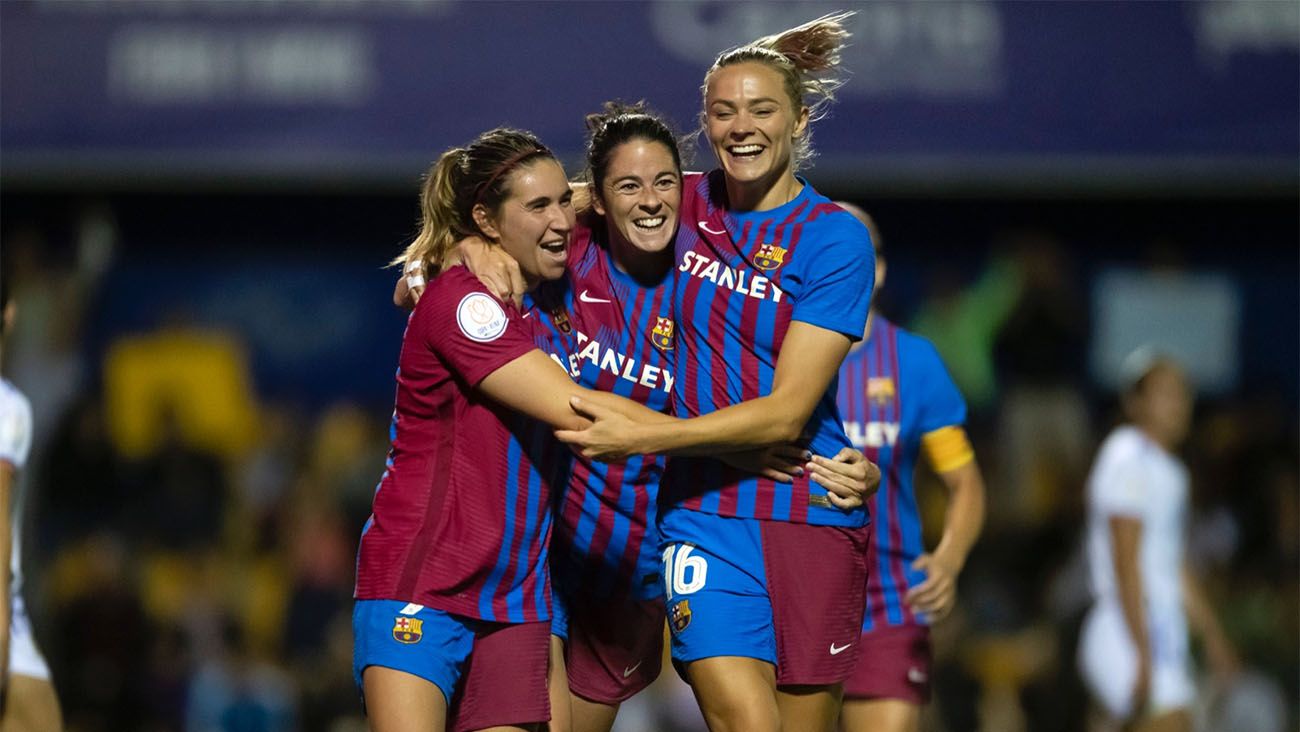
x,y
947,448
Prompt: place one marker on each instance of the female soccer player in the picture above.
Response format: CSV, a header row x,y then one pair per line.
x,y
1133,648
605,557
424,558
899,403
27,698
452,611
764,580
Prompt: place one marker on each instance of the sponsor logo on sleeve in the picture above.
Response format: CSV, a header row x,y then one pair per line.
x,y
480,317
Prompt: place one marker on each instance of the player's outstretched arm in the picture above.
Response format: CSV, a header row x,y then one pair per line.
x,y
534,385
810,357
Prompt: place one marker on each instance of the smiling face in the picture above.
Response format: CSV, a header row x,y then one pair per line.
x,y
752,123
534,221
641,194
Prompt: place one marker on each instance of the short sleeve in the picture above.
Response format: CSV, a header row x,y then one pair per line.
x,y
838,279
1122,489
15,429
467,328
942,404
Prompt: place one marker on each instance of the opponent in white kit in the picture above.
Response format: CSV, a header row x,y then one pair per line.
x,y
27,697
1134,647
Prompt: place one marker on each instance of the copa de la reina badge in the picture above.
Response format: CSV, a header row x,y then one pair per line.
x,y
480,317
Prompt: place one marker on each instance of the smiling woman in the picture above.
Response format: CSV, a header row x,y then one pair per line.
x,y
757,570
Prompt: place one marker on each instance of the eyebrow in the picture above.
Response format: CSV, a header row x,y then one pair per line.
x,y
752,102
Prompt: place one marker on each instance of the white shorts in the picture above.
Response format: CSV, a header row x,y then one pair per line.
x,y
25,658
1108,661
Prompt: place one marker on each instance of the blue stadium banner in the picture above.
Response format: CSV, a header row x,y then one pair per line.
x,y
341,89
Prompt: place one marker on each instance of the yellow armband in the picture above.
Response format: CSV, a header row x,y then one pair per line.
x,y
947,448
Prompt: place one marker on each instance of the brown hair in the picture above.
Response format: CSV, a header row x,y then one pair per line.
x,y
462,178
806,57
616,124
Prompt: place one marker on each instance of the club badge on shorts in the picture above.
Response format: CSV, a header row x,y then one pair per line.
x,y
680,616
408,630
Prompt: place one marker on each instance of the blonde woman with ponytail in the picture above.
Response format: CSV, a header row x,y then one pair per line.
x,y
764,580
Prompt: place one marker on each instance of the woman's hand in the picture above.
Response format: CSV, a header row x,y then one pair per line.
x,y
782,463
938,593
850,478
610,438
498,271
410,286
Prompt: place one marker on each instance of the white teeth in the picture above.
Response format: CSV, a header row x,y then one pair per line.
x,y
553,246
745,149
650,223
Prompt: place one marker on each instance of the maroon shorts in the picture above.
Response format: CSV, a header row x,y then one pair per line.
x,y
504,681
816,579
893,663
615,646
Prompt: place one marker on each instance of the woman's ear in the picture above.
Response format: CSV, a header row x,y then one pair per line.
x,y
483,220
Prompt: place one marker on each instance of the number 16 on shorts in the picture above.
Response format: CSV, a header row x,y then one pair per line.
x,y
684,573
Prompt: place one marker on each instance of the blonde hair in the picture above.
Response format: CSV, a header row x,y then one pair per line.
x,y
807,57
462,178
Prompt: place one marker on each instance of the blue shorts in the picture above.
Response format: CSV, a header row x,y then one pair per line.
x,y
786,593
419,640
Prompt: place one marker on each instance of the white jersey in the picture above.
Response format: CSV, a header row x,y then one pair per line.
x,y
15,444
1137,478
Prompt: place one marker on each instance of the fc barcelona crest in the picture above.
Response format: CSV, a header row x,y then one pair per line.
x,y
561,319
680,617
662,334
769,256
408,630
881,389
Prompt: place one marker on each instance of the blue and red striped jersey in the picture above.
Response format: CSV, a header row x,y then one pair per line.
x,y
894,390
741,279
460,520
605,540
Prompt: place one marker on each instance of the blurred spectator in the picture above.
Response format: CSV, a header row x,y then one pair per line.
x,y
963,321
1044,434
232,691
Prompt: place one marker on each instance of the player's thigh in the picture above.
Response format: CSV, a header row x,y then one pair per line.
x,y
31,706
735,693
880,715
397,700
590,716
808,708
557,685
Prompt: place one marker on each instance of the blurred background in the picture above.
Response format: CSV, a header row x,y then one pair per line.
x,y
198,198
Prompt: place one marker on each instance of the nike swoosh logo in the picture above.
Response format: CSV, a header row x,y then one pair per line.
x,y
583,296
528,314
705,225
835,651
628,671
916,676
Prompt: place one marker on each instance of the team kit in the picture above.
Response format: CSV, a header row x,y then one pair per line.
x,y
646,398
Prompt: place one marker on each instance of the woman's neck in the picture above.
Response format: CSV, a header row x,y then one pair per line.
x,y
763,194
647,268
